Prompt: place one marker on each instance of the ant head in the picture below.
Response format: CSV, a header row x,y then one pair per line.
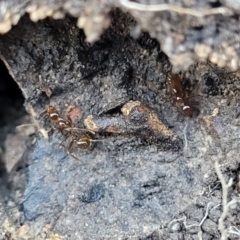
x,y
53,113
51,109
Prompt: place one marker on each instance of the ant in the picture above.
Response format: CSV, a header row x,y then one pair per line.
x,y
56,121
84,141
61,124
178,94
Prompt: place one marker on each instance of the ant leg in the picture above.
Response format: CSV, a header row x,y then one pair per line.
x,y
97,140
61,144
66,133
69,151
44,113
53,124
75,157
69,119
79,129
70,146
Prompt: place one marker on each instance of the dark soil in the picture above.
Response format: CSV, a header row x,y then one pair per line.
x,y
123,187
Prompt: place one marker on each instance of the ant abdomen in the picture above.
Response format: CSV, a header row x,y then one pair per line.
x,y
84,141
179,96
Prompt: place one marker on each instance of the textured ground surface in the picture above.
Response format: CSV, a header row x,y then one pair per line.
x,y
187,30
127,188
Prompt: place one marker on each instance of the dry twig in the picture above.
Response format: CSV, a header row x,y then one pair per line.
x,y
225,204
193,225
234,230
172,8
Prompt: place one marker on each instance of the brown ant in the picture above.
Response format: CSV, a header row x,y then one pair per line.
x,y
56,121
82,141
64,126
178,94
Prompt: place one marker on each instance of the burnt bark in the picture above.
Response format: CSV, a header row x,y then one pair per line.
x,y
124,187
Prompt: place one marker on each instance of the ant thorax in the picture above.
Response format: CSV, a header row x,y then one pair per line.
x,y
63,123
54,116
